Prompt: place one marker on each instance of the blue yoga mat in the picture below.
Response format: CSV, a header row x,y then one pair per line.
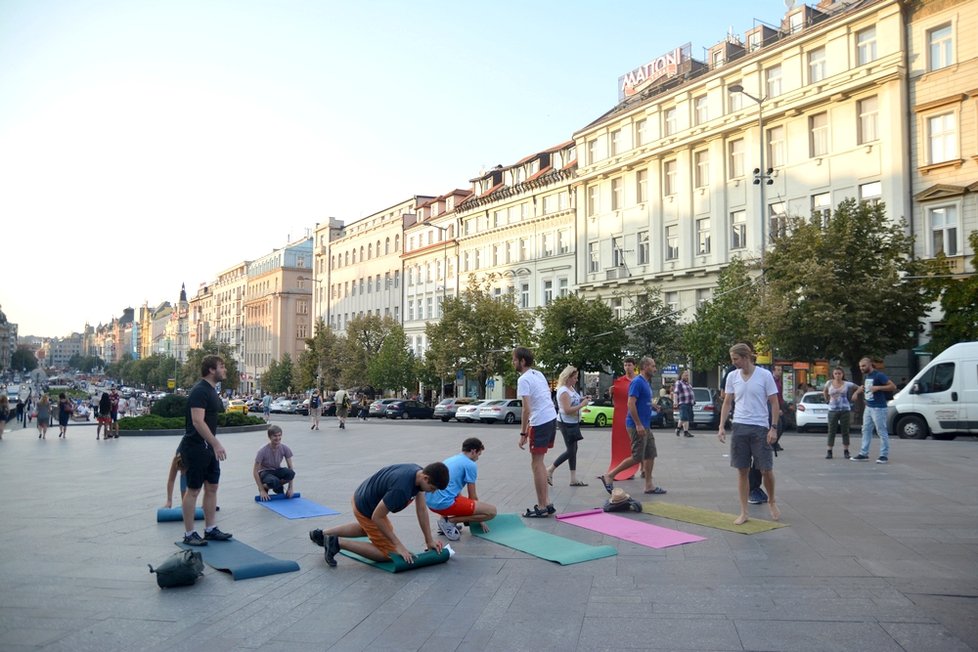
x,y
294,507
167,514
240,560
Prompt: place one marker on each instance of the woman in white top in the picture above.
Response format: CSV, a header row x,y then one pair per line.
x,y
837,392
569,404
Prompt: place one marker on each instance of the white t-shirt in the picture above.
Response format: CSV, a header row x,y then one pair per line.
x,y
533,386
574,398
751,396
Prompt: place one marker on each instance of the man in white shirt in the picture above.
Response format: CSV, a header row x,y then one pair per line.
x,y
755,424
538,425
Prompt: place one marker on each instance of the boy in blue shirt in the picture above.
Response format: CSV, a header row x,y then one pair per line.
x,y
453,507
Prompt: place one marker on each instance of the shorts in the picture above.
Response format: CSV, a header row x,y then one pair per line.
x,y
199,461
750,442
542,437
463,506
686,412
643,448
104,419
341,412
381,542
115,417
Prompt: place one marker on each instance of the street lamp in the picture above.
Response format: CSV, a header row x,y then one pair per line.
x,y
762,177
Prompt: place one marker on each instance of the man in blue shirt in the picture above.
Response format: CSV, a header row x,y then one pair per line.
x,y
638,424
453,507
877,389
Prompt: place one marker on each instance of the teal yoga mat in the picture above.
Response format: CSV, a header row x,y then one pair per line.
x,y
511,531
397,563
240,560
167,514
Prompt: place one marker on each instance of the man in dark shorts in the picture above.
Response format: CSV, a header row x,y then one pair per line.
x,y
202,452
387,491
538,426
114,402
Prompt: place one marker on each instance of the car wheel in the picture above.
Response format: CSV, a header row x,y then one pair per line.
x,y
510,418
445,419
601,421
802,428
911,427
404,415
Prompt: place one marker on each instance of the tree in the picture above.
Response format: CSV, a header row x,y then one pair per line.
x,y
394,366
846,289
724,320
191,368
580,332
959,303
278,377
651,329
364,336
23,359
85,363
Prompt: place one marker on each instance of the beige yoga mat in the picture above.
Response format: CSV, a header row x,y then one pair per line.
x,y
709,518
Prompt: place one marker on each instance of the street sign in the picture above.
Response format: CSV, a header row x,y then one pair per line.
x,y
490,383
171,383
672,369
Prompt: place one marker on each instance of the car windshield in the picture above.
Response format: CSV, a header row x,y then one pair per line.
x,y
702,395
447,401
495,403
813,397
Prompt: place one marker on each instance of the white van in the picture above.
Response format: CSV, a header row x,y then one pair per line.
x,y
941,400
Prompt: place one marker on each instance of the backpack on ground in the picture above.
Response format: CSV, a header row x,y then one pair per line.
x,y
180,569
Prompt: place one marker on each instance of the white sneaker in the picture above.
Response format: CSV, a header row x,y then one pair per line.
x,y
449,529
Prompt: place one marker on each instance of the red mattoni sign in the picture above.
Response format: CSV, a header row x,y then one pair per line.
x,y
645,75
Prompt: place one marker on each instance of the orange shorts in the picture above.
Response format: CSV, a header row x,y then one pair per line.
x,y
381,542
463,506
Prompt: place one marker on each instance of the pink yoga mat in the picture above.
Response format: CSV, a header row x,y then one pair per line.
x,y
644,534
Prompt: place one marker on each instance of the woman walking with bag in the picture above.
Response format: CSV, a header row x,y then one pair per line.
x,y
569,404
837,392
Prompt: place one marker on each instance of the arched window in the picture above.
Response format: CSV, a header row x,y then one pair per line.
x,y
361,254
387,246
397,243
354,256
378,248
370,251
347,258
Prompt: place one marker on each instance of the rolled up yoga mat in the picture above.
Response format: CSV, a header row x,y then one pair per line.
x,y
397,563
167,514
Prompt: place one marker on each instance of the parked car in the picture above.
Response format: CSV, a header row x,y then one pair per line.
x,y
329,408
445,410
408,410
470,412
600,414
237,405
705,412
505,410
811,411
283,406
379,407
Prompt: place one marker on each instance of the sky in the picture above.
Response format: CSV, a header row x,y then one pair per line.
x,y
148,144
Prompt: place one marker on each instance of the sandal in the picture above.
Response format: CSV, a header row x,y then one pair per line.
x,y
579,483
536,512
656,490
608,486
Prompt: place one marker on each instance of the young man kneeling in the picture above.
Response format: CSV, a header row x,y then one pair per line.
x,y
450,504
268,471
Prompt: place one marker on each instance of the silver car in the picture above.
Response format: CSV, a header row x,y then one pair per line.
x,y
469,413
506,410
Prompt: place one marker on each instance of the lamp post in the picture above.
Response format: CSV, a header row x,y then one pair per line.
x,y
762,176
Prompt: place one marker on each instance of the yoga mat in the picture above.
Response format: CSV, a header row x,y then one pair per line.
x,y
644,534
709,518
167,514
397,563
294,507
510,530
242,561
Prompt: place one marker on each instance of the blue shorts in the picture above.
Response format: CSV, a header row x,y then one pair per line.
x,y
686,412
542,437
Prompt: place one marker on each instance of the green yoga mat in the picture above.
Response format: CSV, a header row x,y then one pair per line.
x,y
709,518
510,531
397,563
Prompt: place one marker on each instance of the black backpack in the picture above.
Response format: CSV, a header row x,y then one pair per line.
x,y
180,569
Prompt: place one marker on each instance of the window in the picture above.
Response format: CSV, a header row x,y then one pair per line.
x,y
616,194
738,229
549,244
548,292
643,247
524,254
867,128
701,109
495,255
939,378
671,299
593,200
410,310
615,140
617,252
701,160
672,242
775,147
777,221
944,230
592,151
703,236
593,258
669,170
563,241
735,100
796,22
822,207
525,295
563,289
703,296
816,65
818,139
942,138
716,58
772,81
641,186
940,47
866,46
736,156
429,309
670,122
617,309
641,132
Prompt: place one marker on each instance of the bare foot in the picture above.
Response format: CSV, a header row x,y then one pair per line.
x,y
741,519
775,512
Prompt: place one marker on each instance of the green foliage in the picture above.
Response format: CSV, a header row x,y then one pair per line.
x,y
846,289
171,405
23,359
394,366
652,329
85,363
227,419
959,302
277,378
157,422
364,337
724,320
190,372
580,332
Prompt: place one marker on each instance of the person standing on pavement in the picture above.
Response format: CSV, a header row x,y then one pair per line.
x,y
755,424
114,402
4,413
266,407
837,392
315,409
104,418
877,389
538,426
682,395
202,453
43,416
569,404
342,400
639,426
65,408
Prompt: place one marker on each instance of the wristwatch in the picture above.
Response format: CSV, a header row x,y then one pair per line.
x,y
524,434
774,425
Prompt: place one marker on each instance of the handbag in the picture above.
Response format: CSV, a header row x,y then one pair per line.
x,y
180,569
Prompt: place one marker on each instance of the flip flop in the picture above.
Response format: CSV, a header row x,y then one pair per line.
x,y
608,486
656,490
536,512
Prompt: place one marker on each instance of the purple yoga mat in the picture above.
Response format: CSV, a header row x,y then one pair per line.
x,y
644,534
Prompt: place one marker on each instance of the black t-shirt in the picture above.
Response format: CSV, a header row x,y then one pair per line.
x,y
203,395
394,484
